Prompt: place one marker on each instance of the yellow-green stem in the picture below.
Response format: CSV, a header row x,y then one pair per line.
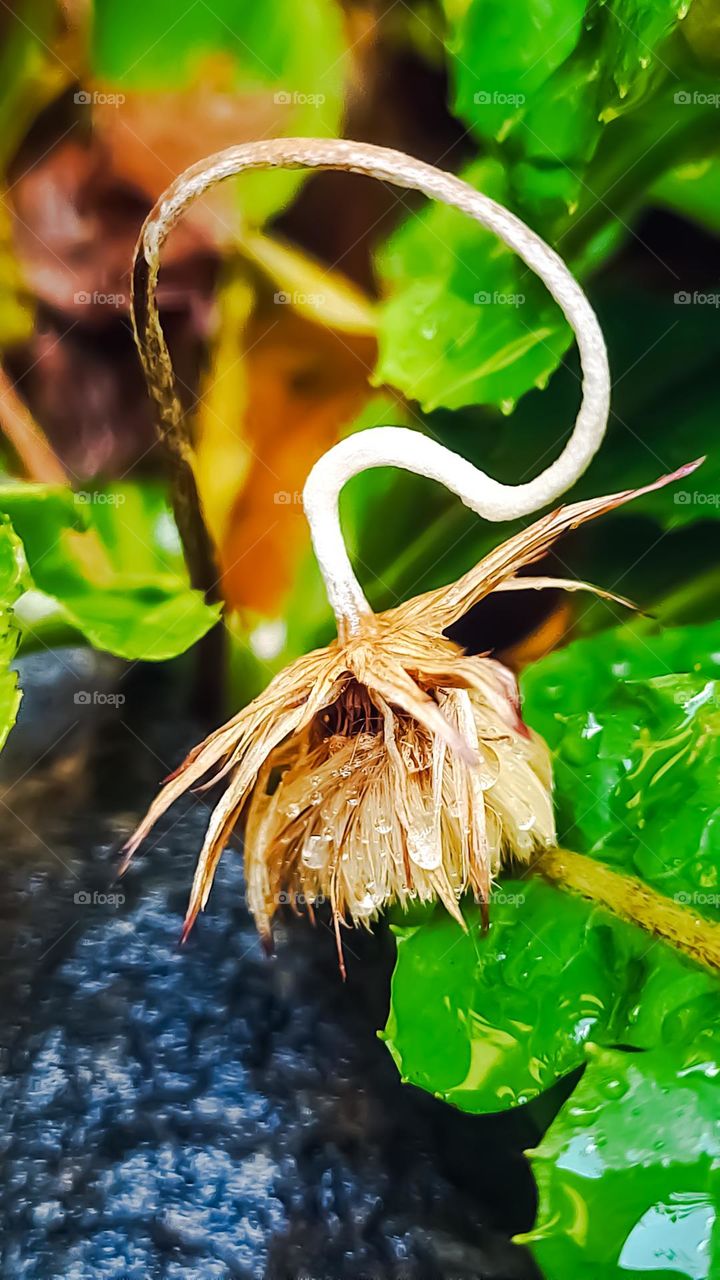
x,y
636,902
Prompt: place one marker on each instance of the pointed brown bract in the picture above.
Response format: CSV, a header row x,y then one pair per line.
x,y
390,766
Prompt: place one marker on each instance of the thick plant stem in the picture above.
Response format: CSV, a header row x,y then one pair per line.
x,y
173,431
635,902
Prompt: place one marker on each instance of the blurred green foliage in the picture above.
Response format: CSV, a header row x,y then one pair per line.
x,y
106,571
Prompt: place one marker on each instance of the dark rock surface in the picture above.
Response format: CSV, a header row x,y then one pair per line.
x,y
205,1112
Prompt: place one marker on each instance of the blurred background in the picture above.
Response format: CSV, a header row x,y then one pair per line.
x,y
300,308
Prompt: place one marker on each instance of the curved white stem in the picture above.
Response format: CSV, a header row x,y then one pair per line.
x,y
399,447
388,446
411,451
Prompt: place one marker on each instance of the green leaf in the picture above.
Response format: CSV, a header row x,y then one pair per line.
x,y
633,722
545,79
108,561
465,321
664,415
13,576
578,101
634,47
489,1021
664,356
629,1171
502,54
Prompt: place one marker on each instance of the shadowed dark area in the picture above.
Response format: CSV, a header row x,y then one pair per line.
x,y
205,1111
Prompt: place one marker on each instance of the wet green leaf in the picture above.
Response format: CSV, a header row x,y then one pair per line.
x,y
663,355
489,1021
500,55
545,79
633,722
107,561
465,321
578,101
629,1171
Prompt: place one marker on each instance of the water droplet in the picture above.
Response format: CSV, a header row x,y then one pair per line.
x,y
382,826
488,767
591,727
315,851
424,848
365,905
372,898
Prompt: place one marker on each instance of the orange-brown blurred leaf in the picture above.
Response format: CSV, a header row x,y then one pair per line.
x,y
304,384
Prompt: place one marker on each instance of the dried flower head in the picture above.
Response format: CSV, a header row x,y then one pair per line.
x,y
390,765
